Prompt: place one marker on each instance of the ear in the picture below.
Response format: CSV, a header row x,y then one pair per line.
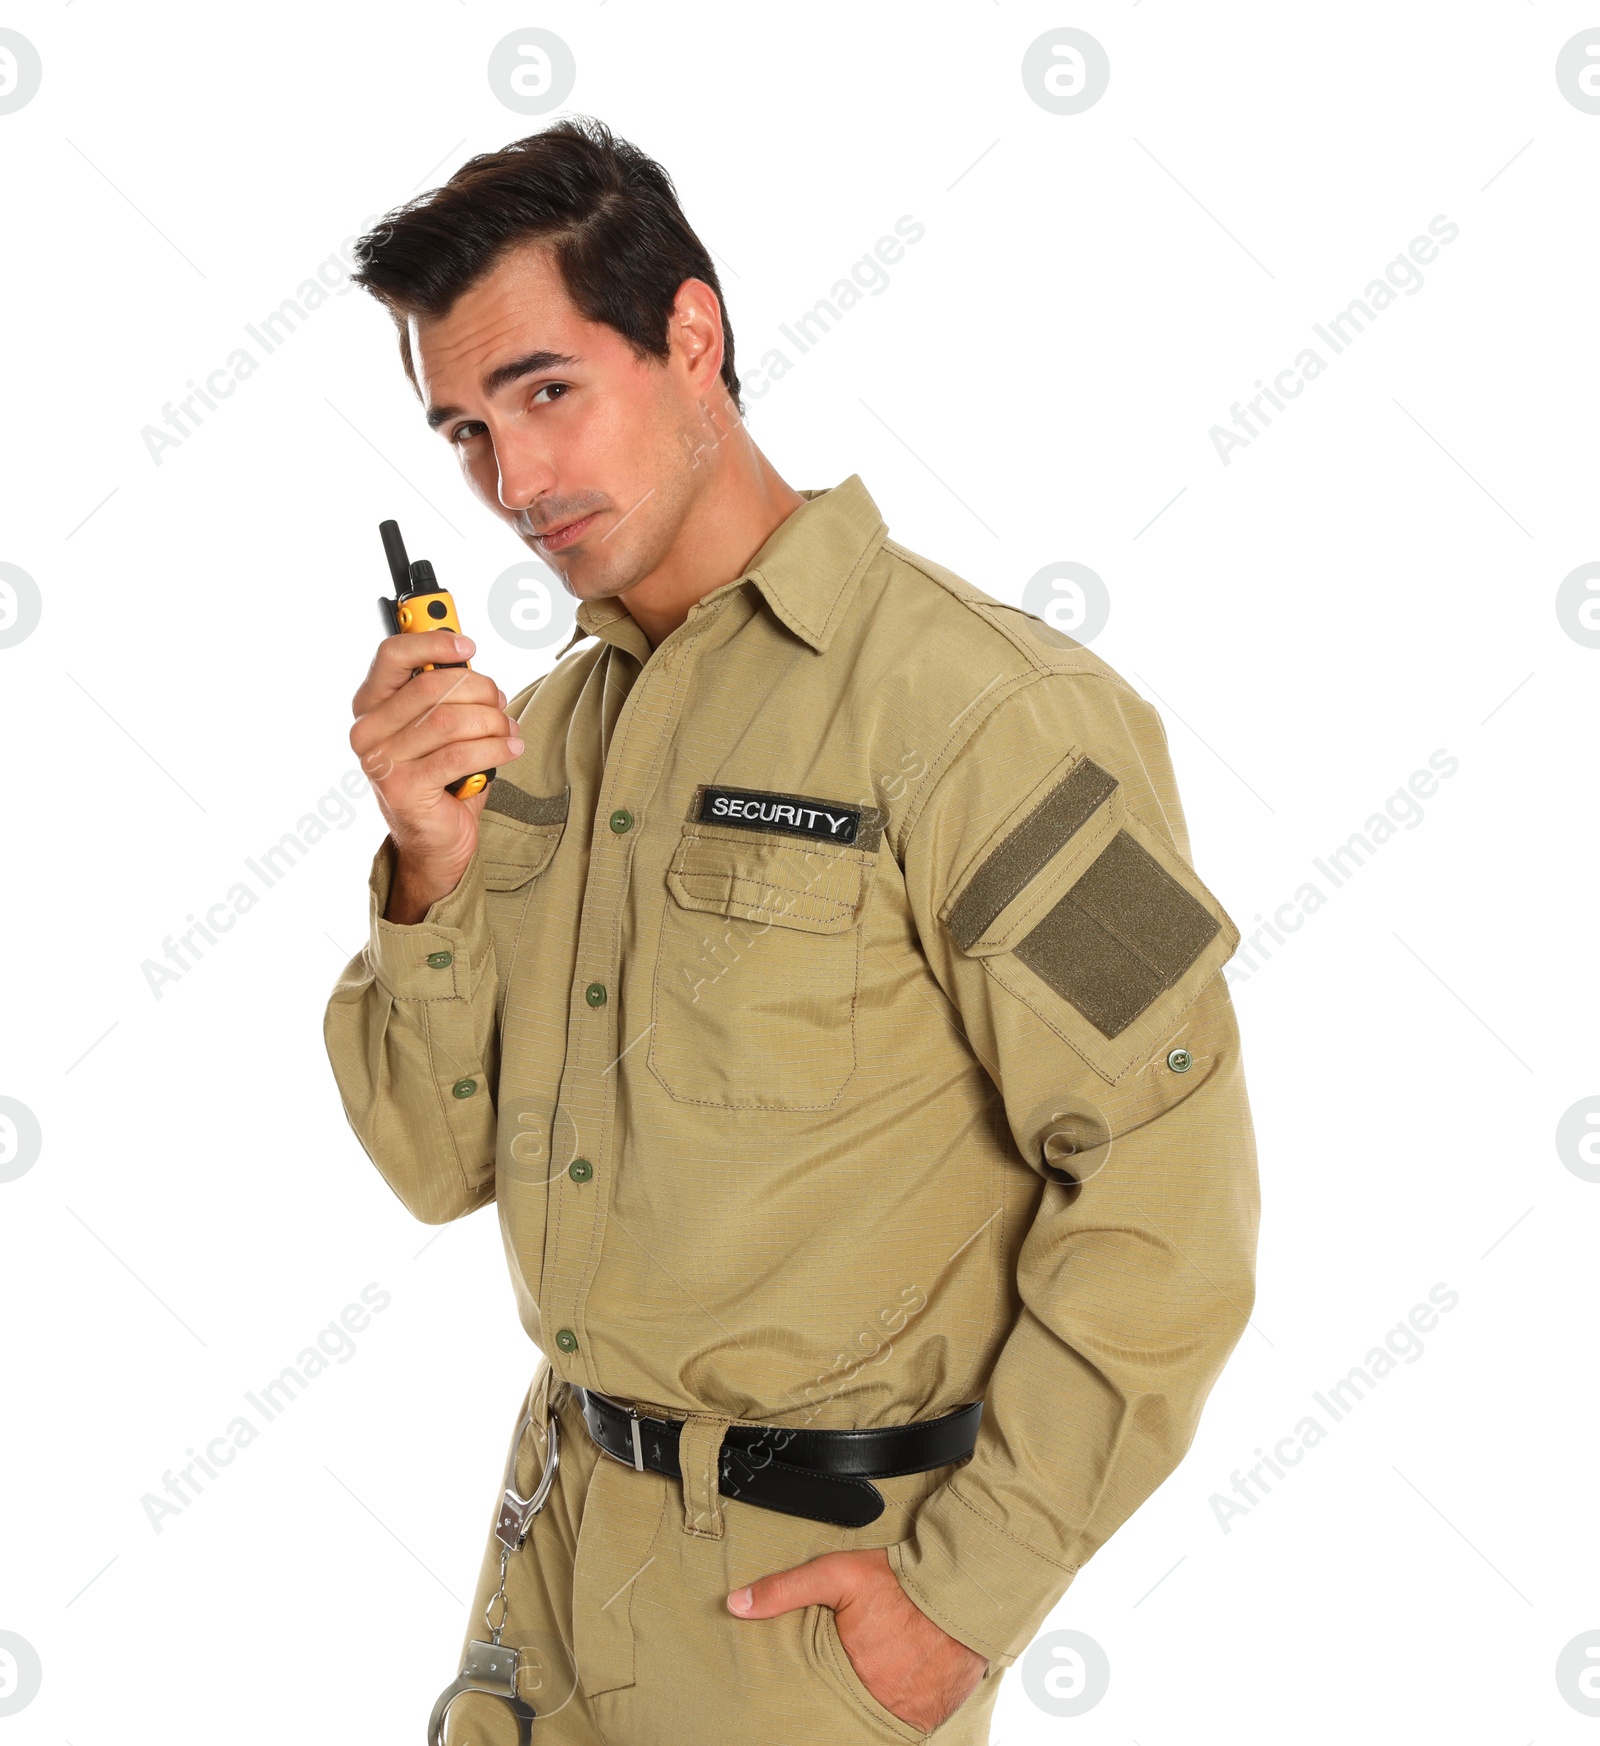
x,y
695,335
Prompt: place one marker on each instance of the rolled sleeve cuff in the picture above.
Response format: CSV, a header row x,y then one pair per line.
x,y
978,1583
441,957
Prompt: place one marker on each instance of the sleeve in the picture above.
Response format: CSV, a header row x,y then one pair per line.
x,y
1051,884
412,1038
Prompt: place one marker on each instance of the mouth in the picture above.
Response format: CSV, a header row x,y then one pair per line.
x,y
558,538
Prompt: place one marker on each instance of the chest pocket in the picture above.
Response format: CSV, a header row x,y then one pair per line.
x,y
758,970
517,834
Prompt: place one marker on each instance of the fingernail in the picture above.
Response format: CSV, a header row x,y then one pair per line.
x,y
516,747
463,645
740,1600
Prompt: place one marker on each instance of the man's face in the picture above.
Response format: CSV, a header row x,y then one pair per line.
x,y
557,422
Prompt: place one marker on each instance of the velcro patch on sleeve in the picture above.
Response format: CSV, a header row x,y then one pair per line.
x,y
1090,917
1028,849
1123,935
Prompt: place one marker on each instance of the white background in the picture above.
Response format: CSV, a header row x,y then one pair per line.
x,y
1371,580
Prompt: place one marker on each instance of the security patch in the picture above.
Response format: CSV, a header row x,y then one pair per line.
x,y
794,815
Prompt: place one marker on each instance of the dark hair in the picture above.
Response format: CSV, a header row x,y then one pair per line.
x,y
609,213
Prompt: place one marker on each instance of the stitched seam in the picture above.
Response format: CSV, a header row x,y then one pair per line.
x,y
778,912
1006,692
847,590
947,1621
1041,1013
444,1108
766,885
1043,1558
944,756
709,830
708,1103
831,1637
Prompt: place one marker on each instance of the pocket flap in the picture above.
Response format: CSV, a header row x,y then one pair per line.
x,y
813,888
518,833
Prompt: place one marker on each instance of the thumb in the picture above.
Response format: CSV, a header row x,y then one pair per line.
x,y
819,1581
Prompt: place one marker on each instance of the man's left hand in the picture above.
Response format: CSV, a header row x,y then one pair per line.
x,y
909,1665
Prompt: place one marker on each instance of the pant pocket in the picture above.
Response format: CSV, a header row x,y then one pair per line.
x,y
827,1652
622,1514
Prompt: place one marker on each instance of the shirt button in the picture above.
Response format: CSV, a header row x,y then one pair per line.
x,y
580,1170
595,994
566,1340
1180,1060
464,1088
440,960
621,820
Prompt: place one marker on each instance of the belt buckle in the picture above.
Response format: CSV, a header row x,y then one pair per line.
x,y
634,1415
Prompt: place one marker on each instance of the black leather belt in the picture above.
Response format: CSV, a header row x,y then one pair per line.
x,y
798,1471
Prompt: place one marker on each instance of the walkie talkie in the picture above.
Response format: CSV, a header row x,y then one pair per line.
x,y
419,604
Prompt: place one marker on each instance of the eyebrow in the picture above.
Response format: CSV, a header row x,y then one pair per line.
x,y
531,364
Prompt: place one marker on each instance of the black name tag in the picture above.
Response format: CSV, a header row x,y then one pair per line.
x,y
793,814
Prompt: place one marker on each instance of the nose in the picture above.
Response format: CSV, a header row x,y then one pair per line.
x,y
524,476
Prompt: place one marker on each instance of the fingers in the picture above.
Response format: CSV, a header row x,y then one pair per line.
x,y
463,758
398,657
447,724
416,698
826,1581
410,789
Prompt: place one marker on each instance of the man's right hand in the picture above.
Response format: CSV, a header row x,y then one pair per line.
x,y
415,733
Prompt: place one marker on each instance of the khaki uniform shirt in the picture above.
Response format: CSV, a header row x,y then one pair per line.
x,y
834,1017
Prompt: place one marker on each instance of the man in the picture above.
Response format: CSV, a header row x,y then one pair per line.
x,y
823,994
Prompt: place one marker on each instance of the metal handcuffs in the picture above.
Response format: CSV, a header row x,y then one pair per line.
x,y
486,1666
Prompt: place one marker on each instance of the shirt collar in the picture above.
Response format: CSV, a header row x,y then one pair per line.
x,y
806,571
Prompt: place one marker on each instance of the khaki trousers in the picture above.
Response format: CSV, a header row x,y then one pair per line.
x,y
617,1600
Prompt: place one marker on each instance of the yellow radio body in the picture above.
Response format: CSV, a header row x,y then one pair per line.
x,y
419,606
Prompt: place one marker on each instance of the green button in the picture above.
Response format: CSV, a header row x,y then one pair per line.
x,y
464,1088
580,1170
595,994
440,960
1180,1060
566,1340
621,820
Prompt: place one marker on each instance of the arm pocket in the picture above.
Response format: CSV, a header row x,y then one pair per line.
x,y
757,971
1091,918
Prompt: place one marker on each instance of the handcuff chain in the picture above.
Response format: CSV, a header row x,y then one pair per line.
x,y
498,1595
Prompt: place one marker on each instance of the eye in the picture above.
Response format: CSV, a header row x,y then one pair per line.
x,y
554,388
465,432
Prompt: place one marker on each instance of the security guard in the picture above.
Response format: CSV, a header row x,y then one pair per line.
x,y
823,994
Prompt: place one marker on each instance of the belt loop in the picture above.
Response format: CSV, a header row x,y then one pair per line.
x,y
699,1450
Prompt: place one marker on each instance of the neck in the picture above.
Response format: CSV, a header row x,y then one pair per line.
x,y
728,524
